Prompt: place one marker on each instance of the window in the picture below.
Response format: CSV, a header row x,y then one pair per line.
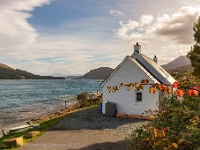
x,y
138,97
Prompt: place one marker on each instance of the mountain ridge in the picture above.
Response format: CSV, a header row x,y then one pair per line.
x,y
7,72
99,73
178,62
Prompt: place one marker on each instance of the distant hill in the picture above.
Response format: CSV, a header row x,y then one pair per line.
x,y
176,63
5,66
179,64
181,69
99,73
7,72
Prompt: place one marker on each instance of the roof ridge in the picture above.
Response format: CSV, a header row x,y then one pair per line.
x,y
144,69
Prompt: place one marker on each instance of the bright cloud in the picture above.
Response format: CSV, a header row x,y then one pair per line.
x,y
76,39
127,30
159,35
146,20
176,28
66,55
16,32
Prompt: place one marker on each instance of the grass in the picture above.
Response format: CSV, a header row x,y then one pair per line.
x,y
47,125
44,126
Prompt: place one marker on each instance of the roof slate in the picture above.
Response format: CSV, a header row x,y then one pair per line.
x,y
151,68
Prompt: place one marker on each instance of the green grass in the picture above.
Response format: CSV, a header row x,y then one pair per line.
x,y
44,126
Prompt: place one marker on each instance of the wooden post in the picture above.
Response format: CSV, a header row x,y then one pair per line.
x,y
3,132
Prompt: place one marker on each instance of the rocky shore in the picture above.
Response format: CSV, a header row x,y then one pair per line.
x,y
90,119
53,112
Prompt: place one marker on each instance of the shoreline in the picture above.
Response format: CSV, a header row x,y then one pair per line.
x,y
87,128
55,111
75,123
46,112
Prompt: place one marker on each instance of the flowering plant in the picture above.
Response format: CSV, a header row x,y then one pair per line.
x,y
176,124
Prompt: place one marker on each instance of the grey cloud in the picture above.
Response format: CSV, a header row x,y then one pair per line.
x,y
178,27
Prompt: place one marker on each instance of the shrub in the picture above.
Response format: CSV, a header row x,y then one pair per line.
x,y
176,126
87,99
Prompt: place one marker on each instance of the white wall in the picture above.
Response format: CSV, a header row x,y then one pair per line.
x,y
126,100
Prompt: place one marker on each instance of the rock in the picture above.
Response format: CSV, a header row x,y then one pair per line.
x,y
60,113
29,122
12,143
32,134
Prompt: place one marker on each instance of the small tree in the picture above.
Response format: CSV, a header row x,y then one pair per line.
x,y
194,53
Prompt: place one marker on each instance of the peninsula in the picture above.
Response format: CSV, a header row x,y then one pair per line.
x,y
7,72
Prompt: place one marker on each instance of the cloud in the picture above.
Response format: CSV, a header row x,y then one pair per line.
x,y
146,20
162,34
58,50
116,13
65,54
126,31
175,28
77,44
178,26
16,32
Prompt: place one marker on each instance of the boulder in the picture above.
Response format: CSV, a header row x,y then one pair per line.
x,y
13,143
32,134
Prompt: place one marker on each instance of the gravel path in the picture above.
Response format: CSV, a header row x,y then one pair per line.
x,y
93,119
87,130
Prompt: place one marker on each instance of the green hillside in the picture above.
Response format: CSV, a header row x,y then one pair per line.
x,y
10,73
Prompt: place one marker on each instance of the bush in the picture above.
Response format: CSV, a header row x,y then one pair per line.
x,y
176,126
87,99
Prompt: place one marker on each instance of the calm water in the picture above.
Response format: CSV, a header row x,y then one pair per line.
x,y
24,99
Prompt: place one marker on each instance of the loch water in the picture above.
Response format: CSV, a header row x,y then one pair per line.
x,y
21,100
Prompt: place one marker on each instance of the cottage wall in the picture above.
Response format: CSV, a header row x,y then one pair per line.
x,y
126,100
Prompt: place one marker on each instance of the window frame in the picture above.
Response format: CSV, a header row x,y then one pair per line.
x,y
138,97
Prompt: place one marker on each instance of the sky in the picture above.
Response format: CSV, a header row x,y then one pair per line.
x,y
74,36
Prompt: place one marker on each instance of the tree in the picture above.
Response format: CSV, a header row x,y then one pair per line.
x,y
196,29
194,53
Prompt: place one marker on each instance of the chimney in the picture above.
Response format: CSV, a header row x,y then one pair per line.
x,y
137,48
155,59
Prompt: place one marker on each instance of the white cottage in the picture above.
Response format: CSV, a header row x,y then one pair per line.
x,y
135,68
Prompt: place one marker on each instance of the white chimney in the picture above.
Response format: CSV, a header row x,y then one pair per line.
x,y
137,48
155,59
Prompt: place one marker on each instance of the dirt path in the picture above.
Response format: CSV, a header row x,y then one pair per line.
x,y
78,139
